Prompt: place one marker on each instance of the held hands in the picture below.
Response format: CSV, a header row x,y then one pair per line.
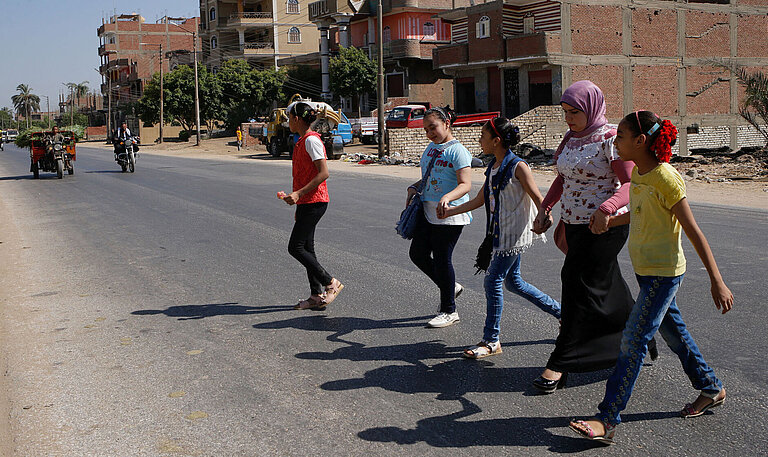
x,y
598,223
443,209
722,296
542,223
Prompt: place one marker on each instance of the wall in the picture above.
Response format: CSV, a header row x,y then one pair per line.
x,y
538,126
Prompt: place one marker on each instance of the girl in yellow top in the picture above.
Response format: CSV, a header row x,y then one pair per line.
x,y
658,212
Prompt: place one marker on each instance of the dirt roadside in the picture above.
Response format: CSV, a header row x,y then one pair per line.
x,y
736,193
10,277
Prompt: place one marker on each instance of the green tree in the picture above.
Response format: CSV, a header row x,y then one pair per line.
x,y
25,102
78,90
179,98
246,91
6,117
352,73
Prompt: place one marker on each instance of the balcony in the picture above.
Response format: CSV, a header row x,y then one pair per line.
x,y
106,48
266,49
321,9
530,47
250,19
533,45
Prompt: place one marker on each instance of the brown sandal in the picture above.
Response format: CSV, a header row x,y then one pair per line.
x,y
313,302
332,291
689,411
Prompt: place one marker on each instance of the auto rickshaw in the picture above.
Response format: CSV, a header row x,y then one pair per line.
x,y
49,155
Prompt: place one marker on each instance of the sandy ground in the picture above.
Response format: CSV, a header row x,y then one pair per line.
x,y
743,193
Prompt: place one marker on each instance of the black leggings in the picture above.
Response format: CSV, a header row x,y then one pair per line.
x,y
431,251
302,244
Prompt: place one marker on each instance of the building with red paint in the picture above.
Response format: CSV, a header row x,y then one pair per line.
x,y
411,31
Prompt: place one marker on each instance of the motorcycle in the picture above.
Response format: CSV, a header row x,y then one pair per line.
x,y
52,156
126,153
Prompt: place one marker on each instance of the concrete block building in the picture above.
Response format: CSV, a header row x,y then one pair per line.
x,y
514,55
131,51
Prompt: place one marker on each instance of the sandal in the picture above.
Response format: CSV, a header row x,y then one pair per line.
x,y
313,302
483,349
584,430
689,411
332,291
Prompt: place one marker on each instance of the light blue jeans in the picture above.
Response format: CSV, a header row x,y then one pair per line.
x,y
654,310
505,271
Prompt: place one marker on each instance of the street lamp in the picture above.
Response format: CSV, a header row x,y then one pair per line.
x,y
160,45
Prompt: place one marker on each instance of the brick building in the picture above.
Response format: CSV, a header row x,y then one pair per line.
x,y
259,31
411,31
514,55
130,52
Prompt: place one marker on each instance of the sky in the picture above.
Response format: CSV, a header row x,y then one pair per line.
x,y
47,43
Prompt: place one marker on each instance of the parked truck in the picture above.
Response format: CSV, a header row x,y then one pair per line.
x,y
334,129
412,116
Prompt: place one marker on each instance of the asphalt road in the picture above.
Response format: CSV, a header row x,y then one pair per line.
x,y
150,314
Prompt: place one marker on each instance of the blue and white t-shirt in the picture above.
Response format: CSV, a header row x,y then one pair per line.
x,y
451,156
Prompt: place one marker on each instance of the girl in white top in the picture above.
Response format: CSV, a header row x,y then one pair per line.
x,y
511,198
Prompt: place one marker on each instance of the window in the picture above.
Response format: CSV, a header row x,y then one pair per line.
x,y
212,14
429,31
387,35
483,27
529,24
214,42
292,7
294,35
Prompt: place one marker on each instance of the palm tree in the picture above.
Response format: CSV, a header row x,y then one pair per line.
x,y
25,101
78,90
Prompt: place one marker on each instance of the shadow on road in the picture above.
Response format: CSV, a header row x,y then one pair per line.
x,y
341,326
451,431
188,312
104,171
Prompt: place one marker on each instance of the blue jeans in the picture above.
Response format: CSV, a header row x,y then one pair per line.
x,y
655,309
505,270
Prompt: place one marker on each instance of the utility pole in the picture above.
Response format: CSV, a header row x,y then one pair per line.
x,y
109,106
161,94
380,78
72,104
197,90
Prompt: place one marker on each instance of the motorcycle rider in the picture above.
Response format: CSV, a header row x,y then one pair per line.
x,y
121,135
55,137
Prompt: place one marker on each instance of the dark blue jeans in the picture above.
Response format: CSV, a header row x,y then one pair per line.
x,y
432,251
505,269
655,310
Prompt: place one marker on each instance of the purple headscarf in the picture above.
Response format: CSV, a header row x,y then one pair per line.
x,y
587,97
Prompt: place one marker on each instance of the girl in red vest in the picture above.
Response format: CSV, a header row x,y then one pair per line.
x,y
310,195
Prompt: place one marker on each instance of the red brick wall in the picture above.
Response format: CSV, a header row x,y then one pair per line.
x,y
654,32
490,48
752,31
655,88
714,100
494,89
716,39
596,29
609,79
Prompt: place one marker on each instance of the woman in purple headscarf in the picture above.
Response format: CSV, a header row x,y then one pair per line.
x,y
592,184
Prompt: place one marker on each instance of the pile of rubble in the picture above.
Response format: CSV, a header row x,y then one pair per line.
x,y
705,165
722,165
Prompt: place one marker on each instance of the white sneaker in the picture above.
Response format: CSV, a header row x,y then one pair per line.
x,y
443,320
457,290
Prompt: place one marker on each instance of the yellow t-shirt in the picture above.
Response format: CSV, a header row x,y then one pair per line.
x,y
654,232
